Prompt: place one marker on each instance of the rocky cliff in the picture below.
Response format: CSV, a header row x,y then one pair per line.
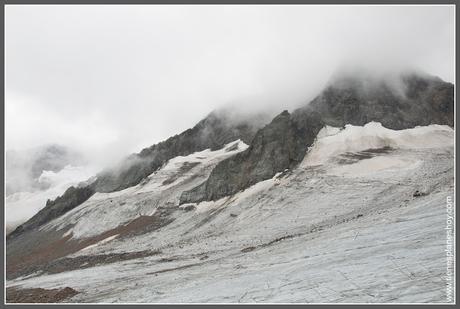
x,y
406,101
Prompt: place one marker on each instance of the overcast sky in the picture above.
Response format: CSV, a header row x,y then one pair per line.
x,y
109,80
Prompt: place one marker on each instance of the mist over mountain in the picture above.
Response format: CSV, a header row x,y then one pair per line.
x,y
217,129
358,131
403,101
25,167
230,154
37,174
146,73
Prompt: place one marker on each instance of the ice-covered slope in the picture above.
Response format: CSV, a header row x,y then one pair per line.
x,y
362,219
332,141
106,211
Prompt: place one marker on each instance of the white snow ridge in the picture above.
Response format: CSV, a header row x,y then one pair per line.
x,y
333,141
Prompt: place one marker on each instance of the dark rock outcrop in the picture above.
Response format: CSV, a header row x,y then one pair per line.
x,y
276,147
408,101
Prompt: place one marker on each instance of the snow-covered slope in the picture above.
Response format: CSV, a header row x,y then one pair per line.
x,y
362,219
106,211
334,141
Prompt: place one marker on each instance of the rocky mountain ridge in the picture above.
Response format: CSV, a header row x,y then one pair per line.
x,y
279,145
283,143
217,129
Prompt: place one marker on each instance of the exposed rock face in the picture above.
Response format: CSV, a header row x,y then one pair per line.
x,y
413,100
276,147
71,198
216,130
410,101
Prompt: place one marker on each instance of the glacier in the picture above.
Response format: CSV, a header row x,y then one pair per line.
x,y
360,220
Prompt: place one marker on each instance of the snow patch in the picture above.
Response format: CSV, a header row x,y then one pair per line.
x,y
331,142
375,165
205,155
156,180
105,240
239,197
208,205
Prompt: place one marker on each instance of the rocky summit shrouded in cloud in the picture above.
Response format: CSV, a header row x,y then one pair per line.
x,y
228,192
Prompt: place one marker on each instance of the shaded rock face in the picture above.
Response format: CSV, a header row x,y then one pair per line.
x,y
411,101
276,147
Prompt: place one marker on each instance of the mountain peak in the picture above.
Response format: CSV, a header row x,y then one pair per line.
x,y
365,81
408,101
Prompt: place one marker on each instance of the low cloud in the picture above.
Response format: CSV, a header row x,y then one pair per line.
x,y
109,80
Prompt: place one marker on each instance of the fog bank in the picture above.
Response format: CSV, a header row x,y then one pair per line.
x,y
109,80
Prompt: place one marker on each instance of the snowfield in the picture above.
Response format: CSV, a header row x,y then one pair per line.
x,y
362,219
333,141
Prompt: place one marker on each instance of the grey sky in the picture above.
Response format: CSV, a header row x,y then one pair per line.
x,y
110,80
